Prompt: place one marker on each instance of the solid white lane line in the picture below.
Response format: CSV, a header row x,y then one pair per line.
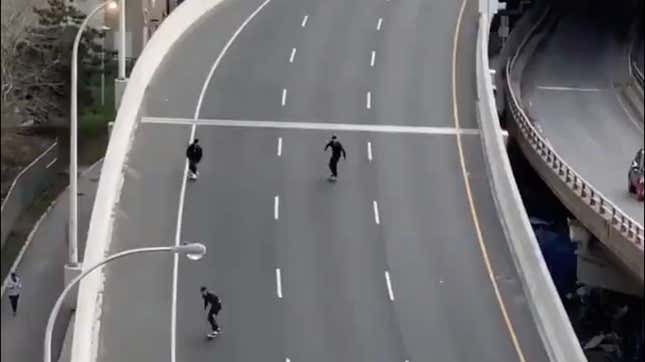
x,y
377,217
278,281
175,271
380,23
279,146
175,267
318,126
369,100
304,21
390,290
284,97
369,151
373,59
51,163
570,89
293,55
276,207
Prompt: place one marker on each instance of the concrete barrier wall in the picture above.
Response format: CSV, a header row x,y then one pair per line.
x,y
556,332
31,181
88,313
620,234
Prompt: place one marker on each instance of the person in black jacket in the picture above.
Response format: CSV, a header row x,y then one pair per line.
x,y
336,151
194,155
214,306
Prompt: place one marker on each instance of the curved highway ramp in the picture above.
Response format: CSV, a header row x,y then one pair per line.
x,y
403,259
571,90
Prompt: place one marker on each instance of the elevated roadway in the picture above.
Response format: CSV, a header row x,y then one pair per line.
x,y
571,92
403,259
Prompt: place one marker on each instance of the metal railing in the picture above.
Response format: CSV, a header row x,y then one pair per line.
x,y
616,218
25,187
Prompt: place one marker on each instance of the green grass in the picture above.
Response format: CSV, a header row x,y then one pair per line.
x,y
93,120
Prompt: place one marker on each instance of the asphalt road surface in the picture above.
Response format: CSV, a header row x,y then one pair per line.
x,y
571,90
388,264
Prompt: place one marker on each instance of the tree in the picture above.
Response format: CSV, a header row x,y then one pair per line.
x,y
36,64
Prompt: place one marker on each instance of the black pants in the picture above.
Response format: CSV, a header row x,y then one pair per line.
x,y
211,319
333,166
192,166
14,303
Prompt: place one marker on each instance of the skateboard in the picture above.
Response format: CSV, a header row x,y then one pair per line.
x,y
332,179
211,337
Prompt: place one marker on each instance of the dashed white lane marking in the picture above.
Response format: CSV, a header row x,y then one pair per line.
x,y
369,151
377,217
390,290
278,281
373,58
304,21
276,207
318,126
279,146
368,100
284,97
379,24
293,55
51,163
570,89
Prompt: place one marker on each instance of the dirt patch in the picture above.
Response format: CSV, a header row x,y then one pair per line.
x,y
18,150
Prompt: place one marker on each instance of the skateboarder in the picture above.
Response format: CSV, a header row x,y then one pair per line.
x,y
336,151
194,155
13,291
214,306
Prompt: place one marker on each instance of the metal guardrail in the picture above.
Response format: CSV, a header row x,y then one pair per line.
x,y
29,182
617,218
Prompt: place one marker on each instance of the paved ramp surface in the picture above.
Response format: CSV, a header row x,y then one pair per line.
x,y
571,90
384,265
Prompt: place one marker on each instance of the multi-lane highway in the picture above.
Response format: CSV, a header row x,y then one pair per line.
x,y
571,90
403,259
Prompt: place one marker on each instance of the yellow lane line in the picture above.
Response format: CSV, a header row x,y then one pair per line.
x,y
469,193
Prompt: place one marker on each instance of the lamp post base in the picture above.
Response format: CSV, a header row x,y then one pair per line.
x,y
119,89
71,271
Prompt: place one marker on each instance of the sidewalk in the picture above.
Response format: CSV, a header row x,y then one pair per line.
x,y
41,269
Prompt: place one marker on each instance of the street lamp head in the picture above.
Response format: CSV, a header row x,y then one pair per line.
x,y
193,251
112,5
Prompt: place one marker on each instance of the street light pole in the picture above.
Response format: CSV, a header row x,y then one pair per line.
x,y
122,42
73,159
194,251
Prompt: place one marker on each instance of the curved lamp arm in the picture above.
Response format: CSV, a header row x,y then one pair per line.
x,y
194,251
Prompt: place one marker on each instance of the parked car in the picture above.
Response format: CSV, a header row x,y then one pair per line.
x,y
636,176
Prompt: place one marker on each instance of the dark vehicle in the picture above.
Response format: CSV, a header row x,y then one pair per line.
x,y
635,176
